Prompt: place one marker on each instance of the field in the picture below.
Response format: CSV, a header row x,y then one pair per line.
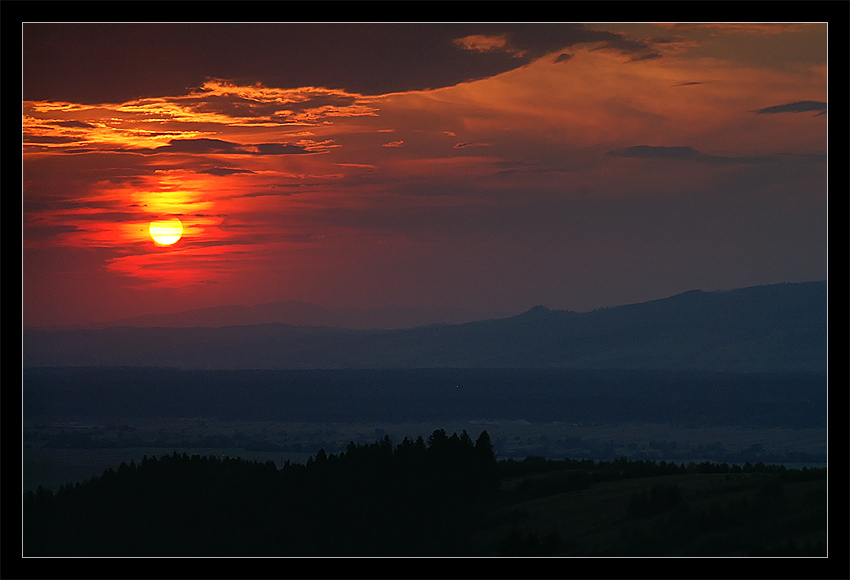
x,y
715,514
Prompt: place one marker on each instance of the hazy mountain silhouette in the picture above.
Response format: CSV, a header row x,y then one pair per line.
x,y
301,314
780,327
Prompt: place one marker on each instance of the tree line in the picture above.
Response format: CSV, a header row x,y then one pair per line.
x,y
415,498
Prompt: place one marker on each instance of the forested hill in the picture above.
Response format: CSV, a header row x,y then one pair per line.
x,y
447,497
770,328
414,498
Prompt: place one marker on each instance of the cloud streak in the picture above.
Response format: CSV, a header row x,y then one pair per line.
x,y
217,146
795,107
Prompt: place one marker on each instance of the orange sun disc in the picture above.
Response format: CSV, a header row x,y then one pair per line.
x,y
166,232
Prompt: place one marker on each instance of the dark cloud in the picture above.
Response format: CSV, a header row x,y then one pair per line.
x,y
279,149
201,146
225,171
683,153
318,101
647,56
639,49
218,146
48,139
796,107
34,233
75,124
234,106
112,62
63,150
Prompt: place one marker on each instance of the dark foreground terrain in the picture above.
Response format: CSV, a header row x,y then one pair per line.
x,y
694,485
447,496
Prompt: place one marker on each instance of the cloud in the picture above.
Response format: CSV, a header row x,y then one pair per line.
x,y
201,146
683,153
98,63
58,139
206,146
279,149
647,56
225,171
796,107
483,43
398,143
38,233
259,102
75,124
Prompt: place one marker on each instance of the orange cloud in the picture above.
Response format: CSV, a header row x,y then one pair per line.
x,y
485,43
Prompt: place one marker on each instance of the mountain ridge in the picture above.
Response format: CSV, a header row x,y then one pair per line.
x,y
762,328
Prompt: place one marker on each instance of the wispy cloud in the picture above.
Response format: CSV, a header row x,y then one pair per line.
x,y
796,107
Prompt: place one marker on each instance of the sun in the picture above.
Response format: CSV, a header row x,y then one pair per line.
x,y
166,231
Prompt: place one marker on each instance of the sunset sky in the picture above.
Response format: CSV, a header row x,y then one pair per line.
x,y
490,167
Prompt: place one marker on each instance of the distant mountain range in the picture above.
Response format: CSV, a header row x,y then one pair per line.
x,y
781,327
302,314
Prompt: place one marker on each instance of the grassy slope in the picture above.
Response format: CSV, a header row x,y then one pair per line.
x,y
720,514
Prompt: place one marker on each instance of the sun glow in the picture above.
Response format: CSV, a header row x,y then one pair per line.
x,y
166,232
